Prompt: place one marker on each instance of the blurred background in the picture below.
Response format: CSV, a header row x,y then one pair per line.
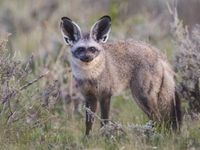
x,y
38,95
34,24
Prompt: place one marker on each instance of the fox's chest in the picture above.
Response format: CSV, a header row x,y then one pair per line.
x,y
104,77
95,87
111,84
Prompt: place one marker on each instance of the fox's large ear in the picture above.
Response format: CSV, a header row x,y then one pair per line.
x,y
101,29
70,30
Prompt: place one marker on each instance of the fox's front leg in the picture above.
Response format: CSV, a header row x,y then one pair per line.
x,y
91,105
105,107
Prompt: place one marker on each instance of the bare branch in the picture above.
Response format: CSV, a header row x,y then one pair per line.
x,y
11,94
35,80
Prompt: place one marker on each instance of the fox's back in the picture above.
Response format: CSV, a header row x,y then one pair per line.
x,y
128,59
130,51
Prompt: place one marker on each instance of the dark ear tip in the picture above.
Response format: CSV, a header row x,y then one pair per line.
x,y
107,17
65,18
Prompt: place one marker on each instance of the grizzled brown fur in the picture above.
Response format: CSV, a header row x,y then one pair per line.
x,y
120,66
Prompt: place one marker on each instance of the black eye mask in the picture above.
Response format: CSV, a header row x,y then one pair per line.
x,y
78,51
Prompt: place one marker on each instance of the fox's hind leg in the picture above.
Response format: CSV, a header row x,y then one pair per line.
x,y
147,103
145,88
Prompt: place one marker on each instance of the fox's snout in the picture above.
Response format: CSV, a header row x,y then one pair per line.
x,y
86,57
86,54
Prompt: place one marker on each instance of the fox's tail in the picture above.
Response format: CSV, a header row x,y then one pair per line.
x,y
176,113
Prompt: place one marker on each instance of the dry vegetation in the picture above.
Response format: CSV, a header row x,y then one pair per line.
x,y
40,107
187,62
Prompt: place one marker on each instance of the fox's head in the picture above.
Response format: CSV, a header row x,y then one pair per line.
x,y
85,47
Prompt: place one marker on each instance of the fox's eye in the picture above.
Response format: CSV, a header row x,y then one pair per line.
x,y
92,49
81,49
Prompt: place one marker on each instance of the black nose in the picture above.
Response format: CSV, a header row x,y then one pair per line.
x,y
86,58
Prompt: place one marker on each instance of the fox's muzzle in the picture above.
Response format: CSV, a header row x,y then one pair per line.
x,y
86,54
86,58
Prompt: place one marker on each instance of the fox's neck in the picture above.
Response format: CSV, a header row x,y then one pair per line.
x,y
89,70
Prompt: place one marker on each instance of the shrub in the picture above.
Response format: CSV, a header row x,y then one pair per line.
x,y
187,62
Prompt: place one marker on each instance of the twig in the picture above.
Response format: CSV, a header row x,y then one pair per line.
x,y
11,94
113,124
35,80
7,97
95,115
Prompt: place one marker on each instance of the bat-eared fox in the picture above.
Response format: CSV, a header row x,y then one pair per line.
x,y
103,69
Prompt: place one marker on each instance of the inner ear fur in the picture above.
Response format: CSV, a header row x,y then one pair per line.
x,y
100,30
70,30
